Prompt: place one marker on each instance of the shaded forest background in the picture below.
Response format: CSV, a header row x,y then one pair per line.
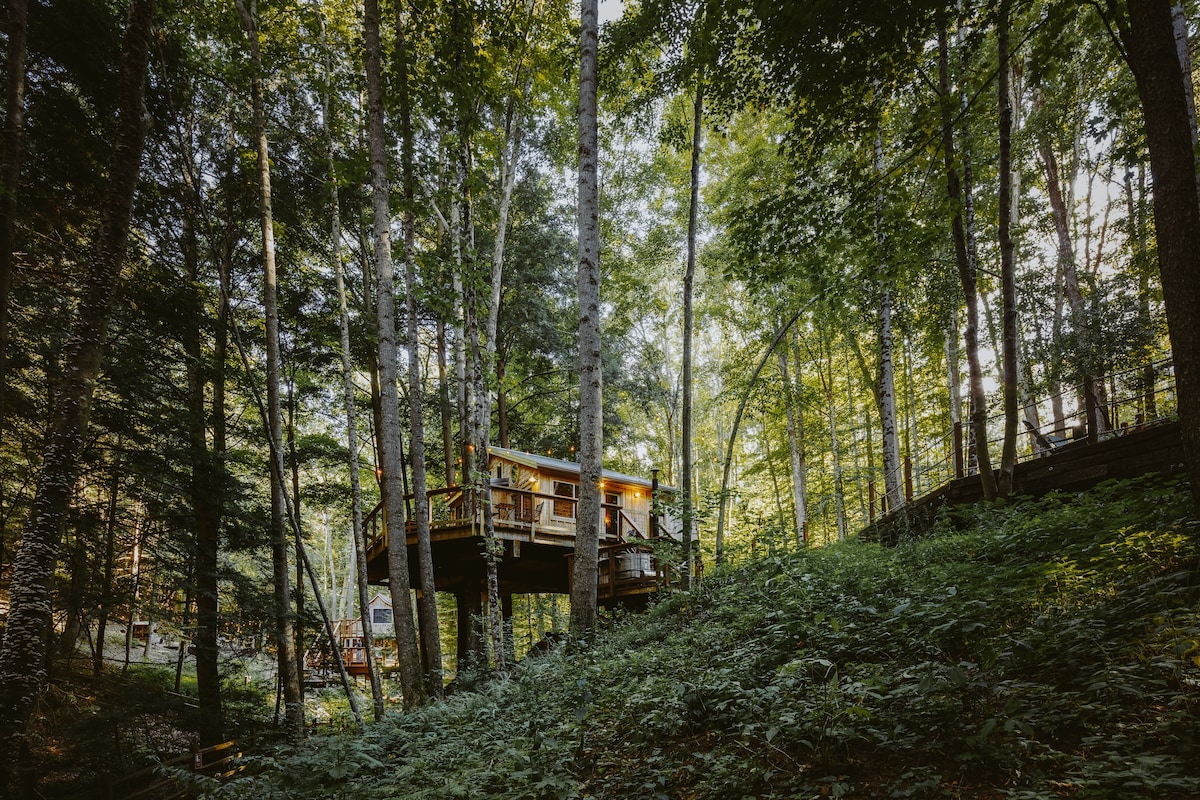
x,y
925,224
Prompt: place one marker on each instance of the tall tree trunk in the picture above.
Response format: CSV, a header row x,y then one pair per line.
x,y
685,443
356,516
106,588
23,651
285,615
1069,278
207,502
966,273
444,409
390,439
839,502
10,176
1008,278
430,633
591,419
885,390
795,430
954,381
1148,36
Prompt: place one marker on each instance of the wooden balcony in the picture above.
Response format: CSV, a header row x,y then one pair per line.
x,y
537,531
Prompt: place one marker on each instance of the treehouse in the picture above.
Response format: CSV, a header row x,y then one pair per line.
x,y
533,502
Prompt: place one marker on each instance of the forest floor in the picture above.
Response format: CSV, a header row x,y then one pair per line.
x,y
1032,649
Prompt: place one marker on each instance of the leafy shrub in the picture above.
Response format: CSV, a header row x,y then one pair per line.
x,y
1030,649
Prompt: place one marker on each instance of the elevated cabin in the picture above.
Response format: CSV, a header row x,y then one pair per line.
x,y
534,506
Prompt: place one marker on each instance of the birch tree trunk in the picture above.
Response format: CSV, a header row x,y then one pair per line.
x,y
591,420
392,460
430,633
795,430
839,501
885,394
23,651
954,380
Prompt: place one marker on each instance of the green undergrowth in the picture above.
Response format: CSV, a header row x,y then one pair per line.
x,y
1044,649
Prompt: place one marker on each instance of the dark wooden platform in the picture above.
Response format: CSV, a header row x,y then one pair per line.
x,y
1074,466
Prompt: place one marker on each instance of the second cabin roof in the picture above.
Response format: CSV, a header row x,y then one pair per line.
x,y
534,461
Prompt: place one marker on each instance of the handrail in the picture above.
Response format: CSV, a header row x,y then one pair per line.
x,y
464,509
943,467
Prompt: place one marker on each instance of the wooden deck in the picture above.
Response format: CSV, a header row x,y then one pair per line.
x,y
537,533
1074,466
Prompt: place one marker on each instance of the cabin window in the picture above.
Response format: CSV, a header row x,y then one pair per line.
x,y
612,498
564,509
381,616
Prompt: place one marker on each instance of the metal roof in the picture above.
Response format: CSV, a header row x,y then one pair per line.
x,y
539,462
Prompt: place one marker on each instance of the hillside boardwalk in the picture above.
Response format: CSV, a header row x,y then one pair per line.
x,y
1074,466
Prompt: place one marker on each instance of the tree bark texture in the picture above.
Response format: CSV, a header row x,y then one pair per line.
x,y
689,281
591,420
23,653
430,633
885,390
285,617
795,430
1008,279
390,437
1148,35
966,273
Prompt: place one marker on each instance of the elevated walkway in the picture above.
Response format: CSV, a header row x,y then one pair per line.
x,y
1075,466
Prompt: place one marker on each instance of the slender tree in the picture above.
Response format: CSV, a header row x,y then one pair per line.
x,y
966,274
430,633
285,615
591,420
1008,279
689,279
885,386
335,260
392,460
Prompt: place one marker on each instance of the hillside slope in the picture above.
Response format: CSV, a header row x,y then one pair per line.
x,y
1051,650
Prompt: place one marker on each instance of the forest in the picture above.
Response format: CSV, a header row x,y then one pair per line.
x,y
276,274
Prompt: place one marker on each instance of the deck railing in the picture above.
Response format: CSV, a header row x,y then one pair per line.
x,y
1137,397
513,509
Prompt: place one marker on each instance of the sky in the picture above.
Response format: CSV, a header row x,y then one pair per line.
x,y
610,10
